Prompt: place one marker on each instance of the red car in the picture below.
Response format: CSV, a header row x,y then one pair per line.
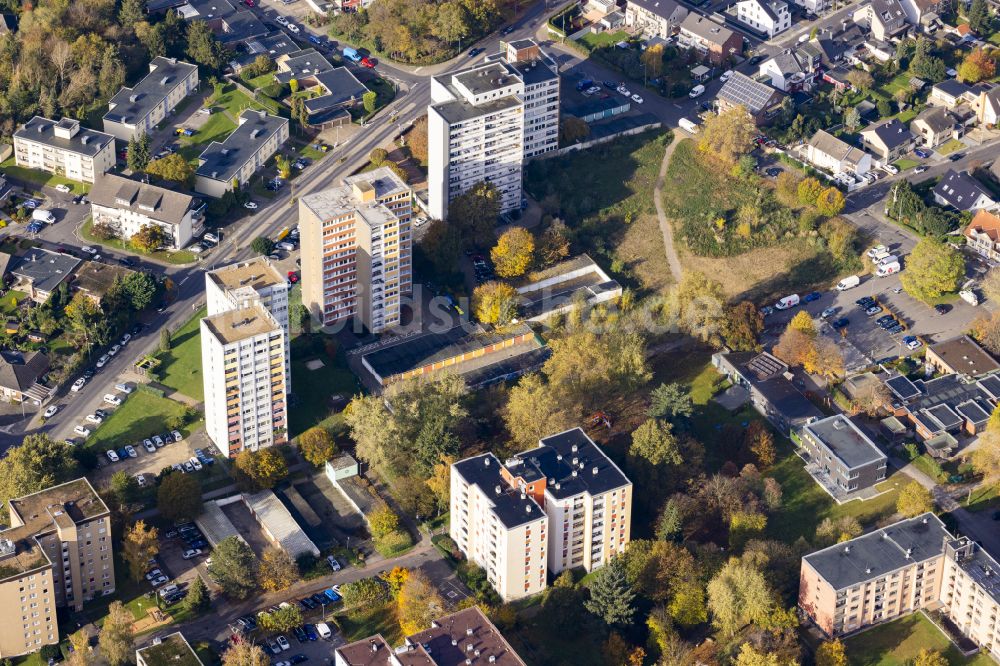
x,y
293,277
249,3
365,62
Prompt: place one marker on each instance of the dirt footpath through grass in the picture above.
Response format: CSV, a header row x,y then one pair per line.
x,y
668,233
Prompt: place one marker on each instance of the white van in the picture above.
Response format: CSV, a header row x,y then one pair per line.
x,y
697,91
888,259
848,283
688,125
880,255
40,215
323,629
887,269
787,302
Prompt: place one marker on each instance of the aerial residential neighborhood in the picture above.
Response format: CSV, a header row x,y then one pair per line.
x,y
398,332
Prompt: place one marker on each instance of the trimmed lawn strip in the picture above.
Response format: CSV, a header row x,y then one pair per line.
x,y
898,643
180,368
595,41
950,147
41,178
364,622
141,415
312,389
904,164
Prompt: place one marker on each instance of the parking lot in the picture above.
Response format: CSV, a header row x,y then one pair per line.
x,y
863,341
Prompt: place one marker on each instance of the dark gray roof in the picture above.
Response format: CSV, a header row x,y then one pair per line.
x,y
342,89
20,371
845,440
937,118
952,87
892,133
706,29
85,141
945,416
302,64
903,387
45,269
158,203
273,45
663,8
754,95
242,25
765,373
508,505
883,551
131,105
991,385
221,161
960,189
888,10
974,411
553,460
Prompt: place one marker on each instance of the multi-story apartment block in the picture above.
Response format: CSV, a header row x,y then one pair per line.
x,y
56,553
223,166
243,361
841,458
905,567
356,250
241,285
562,505
483,122
127,206
654,18
768,17
63,148
138,110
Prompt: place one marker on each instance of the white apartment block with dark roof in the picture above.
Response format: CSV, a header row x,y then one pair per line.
x,y
562,505
654,18
127,206
770,17
485,121
64,148
911,565
221,166
139,109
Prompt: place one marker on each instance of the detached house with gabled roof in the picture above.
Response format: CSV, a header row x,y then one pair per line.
x,y
961,190
836,156
714,41
885,18
792,70
983,235
768,17
935,125
654,18
889,140
760,100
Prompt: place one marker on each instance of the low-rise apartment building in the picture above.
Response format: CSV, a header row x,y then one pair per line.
x,y
654,18
233,162
884,18
357,250
485,121
714,41
888,140
911,565
128,206
241,285
983,235
768,17
56,553
139,109
841,458
562,505
63,148
827,152
243,362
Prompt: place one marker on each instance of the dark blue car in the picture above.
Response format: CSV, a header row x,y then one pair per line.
x,y
310,632
814,296
840,323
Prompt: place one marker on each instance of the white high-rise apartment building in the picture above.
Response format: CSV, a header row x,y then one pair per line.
x,y
243,362
562,505
241,285
356,250
485,121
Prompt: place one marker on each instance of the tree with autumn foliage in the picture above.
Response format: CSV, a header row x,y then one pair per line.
x,y
418,603
513,252
729,134
495,303
979,65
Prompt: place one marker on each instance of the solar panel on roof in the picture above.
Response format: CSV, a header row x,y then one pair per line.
x,y
764,366
741,89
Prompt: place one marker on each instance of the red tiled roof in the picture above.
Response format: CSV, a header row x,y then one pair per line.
x,y
985,223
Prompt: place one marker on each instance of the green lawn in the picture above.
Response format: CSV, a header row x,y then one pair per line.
x,y
805,504
180,368
982,498
906,163
364,622
312,388
899,82
598,40
176,258
142,415
385,92
950,147
216,128
906,116
10,301
41,178
898,642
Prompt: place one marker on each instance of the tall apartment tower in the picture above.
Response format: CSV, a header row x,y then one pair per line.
x,y
485,121
562,505
56,553
243,284
356,250
243,361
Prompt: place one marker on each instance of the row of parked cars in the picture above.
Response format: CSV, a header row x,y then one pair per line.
x,y
99,415
193,538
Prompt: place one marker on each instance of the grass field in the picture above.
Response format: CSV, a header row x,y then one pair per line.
x,y
365,622
180,367
950,147
142,415
897,643
10,301
178,258
41,178
595,41
313,388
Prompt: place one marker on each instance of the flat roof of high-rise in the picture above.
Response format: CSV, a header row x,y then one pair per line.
x,y
449,638
236,325
383,179
256,274
571,463
508,504
340,201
